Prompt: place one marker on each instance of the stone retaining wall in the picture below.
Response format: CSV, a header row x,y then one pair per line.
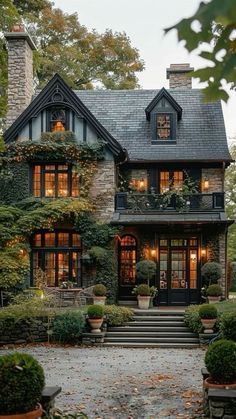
x,y
23,331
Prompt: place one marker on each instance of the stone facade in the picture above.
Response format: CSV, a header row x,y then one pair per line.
x,y
178,75
20,73
222,260
103,190
215,179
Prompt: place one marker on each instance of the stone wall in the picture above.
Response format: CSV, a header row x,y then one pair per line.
x,y
23,331
215,178
103,190
178,75
20,73
222,260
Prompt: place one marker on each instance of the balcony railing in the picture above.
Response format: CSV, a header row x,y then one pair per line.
x,y
141,203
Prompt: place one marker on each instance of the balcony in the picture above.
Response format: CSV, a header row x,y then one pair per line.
x,y
143,203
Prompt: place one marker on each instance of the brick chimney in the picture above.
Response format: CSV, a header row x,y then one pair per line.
x,y
179,77
20,71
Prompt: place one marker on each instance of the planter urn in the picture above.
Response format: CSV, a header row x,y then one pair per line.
x,y
213,299
208,325
208,383
34,414
95,325
99,300
144,302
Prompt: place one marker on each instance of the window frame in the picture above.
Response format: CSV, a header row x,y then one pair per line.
x,y
127,248
54,108
172,138
56,172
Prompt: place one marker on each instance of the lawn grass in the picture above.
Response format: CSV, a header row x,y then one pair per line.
x,y
226,306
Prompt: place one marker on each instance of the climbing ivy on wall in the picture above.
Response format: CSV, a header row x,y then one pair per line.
x,y
21,215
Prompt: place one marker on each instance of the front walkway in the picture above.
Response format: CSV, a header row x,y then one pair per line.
x,y
119,383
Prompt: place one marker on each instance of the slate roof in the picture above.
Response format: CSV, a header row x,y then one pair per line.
x,y
200,134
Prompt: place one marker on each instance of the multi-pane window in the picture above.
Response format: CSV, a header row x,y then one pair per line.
x,y
171,180
163,126
127,260
55,181
57,120
58,255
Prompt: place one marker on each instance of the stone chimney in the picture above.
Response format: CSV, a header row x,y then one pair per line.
x,y
20,71
179,77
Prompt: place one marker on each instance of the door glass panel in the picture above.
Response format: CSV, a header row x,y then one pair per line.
x,y
193,269
127,267
49,262
163,269
178,269
75,267
63,267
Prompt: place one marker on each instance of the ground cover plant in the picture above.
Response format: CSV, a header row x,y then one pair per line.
x,y
117,315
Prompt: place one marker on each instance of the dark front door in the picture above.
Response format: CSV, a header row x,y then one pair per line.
x,y
178,272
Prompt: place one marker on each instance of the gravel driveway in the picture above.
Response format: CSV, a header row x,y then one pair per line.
x,y
124,383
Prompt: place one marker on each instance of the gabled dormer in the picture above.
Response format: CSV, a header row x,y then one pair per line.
x,y
163,112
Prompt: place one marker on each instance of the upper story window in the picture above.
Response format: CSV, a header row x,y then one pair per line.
x,y
58,119
55,181
163,127
171,180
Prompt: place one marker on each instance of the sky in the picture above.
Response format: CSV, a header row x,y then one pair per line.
x,y
144,22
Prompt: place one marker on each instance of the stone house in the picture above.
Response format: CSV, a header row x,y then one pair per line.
x,y
161,179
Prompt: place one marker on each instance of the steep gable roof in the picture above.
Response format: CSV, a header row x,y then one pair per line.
x,y
44,99
163,94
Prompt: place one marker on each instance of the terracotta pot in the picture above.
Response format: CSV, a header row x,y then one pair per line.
x,y
99,300
95,325
208,325
213,299
34,414
143,302
208,383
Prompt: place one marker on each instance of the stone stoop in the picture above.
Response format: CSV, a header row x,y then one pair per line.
x,y
153,328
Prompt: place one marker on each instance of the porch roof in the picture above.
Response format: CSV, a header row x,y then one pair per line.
x,y
171,218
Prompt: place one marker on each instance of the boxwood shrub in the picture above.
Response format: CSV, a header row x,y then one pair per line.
x,y
208,311
116,315
228,325
220,360
68,327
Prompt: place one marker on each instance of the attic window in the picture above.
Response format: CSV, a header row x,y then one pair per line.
x,y
163,127
58,120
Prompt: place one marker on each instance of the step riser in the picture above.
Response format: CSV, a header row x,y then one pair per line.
x,y
158,319
151,340
152,345
151,334
149,329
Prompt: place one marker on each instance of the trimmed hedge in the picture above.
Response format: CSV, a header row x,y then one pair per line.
x,y
228,325
220,361
68,327
117,316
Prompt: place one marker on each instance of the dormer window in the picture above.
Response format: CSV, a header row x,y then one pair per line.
x,y
163,126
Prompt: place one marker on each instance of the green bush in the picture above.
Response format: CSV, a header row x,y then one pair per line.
x,y
68,327
228,325
21,383
192,319
142,289
145,270
220,361
233,277
95,311
211,272
99,290
214,290
116,315
208,311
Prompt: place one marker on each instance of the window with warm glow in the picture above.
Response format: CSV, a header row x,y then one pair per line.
x,y
55,181
58,254
163,126
58,120
171,180
127,260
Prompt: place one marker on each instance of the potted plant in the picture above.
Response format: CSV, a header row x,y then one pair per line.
x,y
95,317
220,360
212,272
208,315
145,270
214,292
143,292
21,385
99,294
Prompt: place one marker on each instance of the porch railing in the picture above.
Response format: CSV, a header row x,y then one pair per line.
x,y
141,203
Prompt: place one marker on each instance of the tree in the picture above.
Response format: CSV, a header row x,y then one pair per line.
x,y
85,59
212,30
230,200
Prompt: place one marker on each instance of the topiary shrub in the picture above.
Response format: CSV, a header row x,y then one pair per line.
x,y
220,360
116,315
99,290
21,383
95,311
145,270
142,290
214,290
211,272
192,319
68,327
228,325
208,311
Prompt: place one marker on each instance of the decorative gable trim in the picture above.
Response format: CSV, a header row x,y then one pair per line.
x,y
57,92
163,94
